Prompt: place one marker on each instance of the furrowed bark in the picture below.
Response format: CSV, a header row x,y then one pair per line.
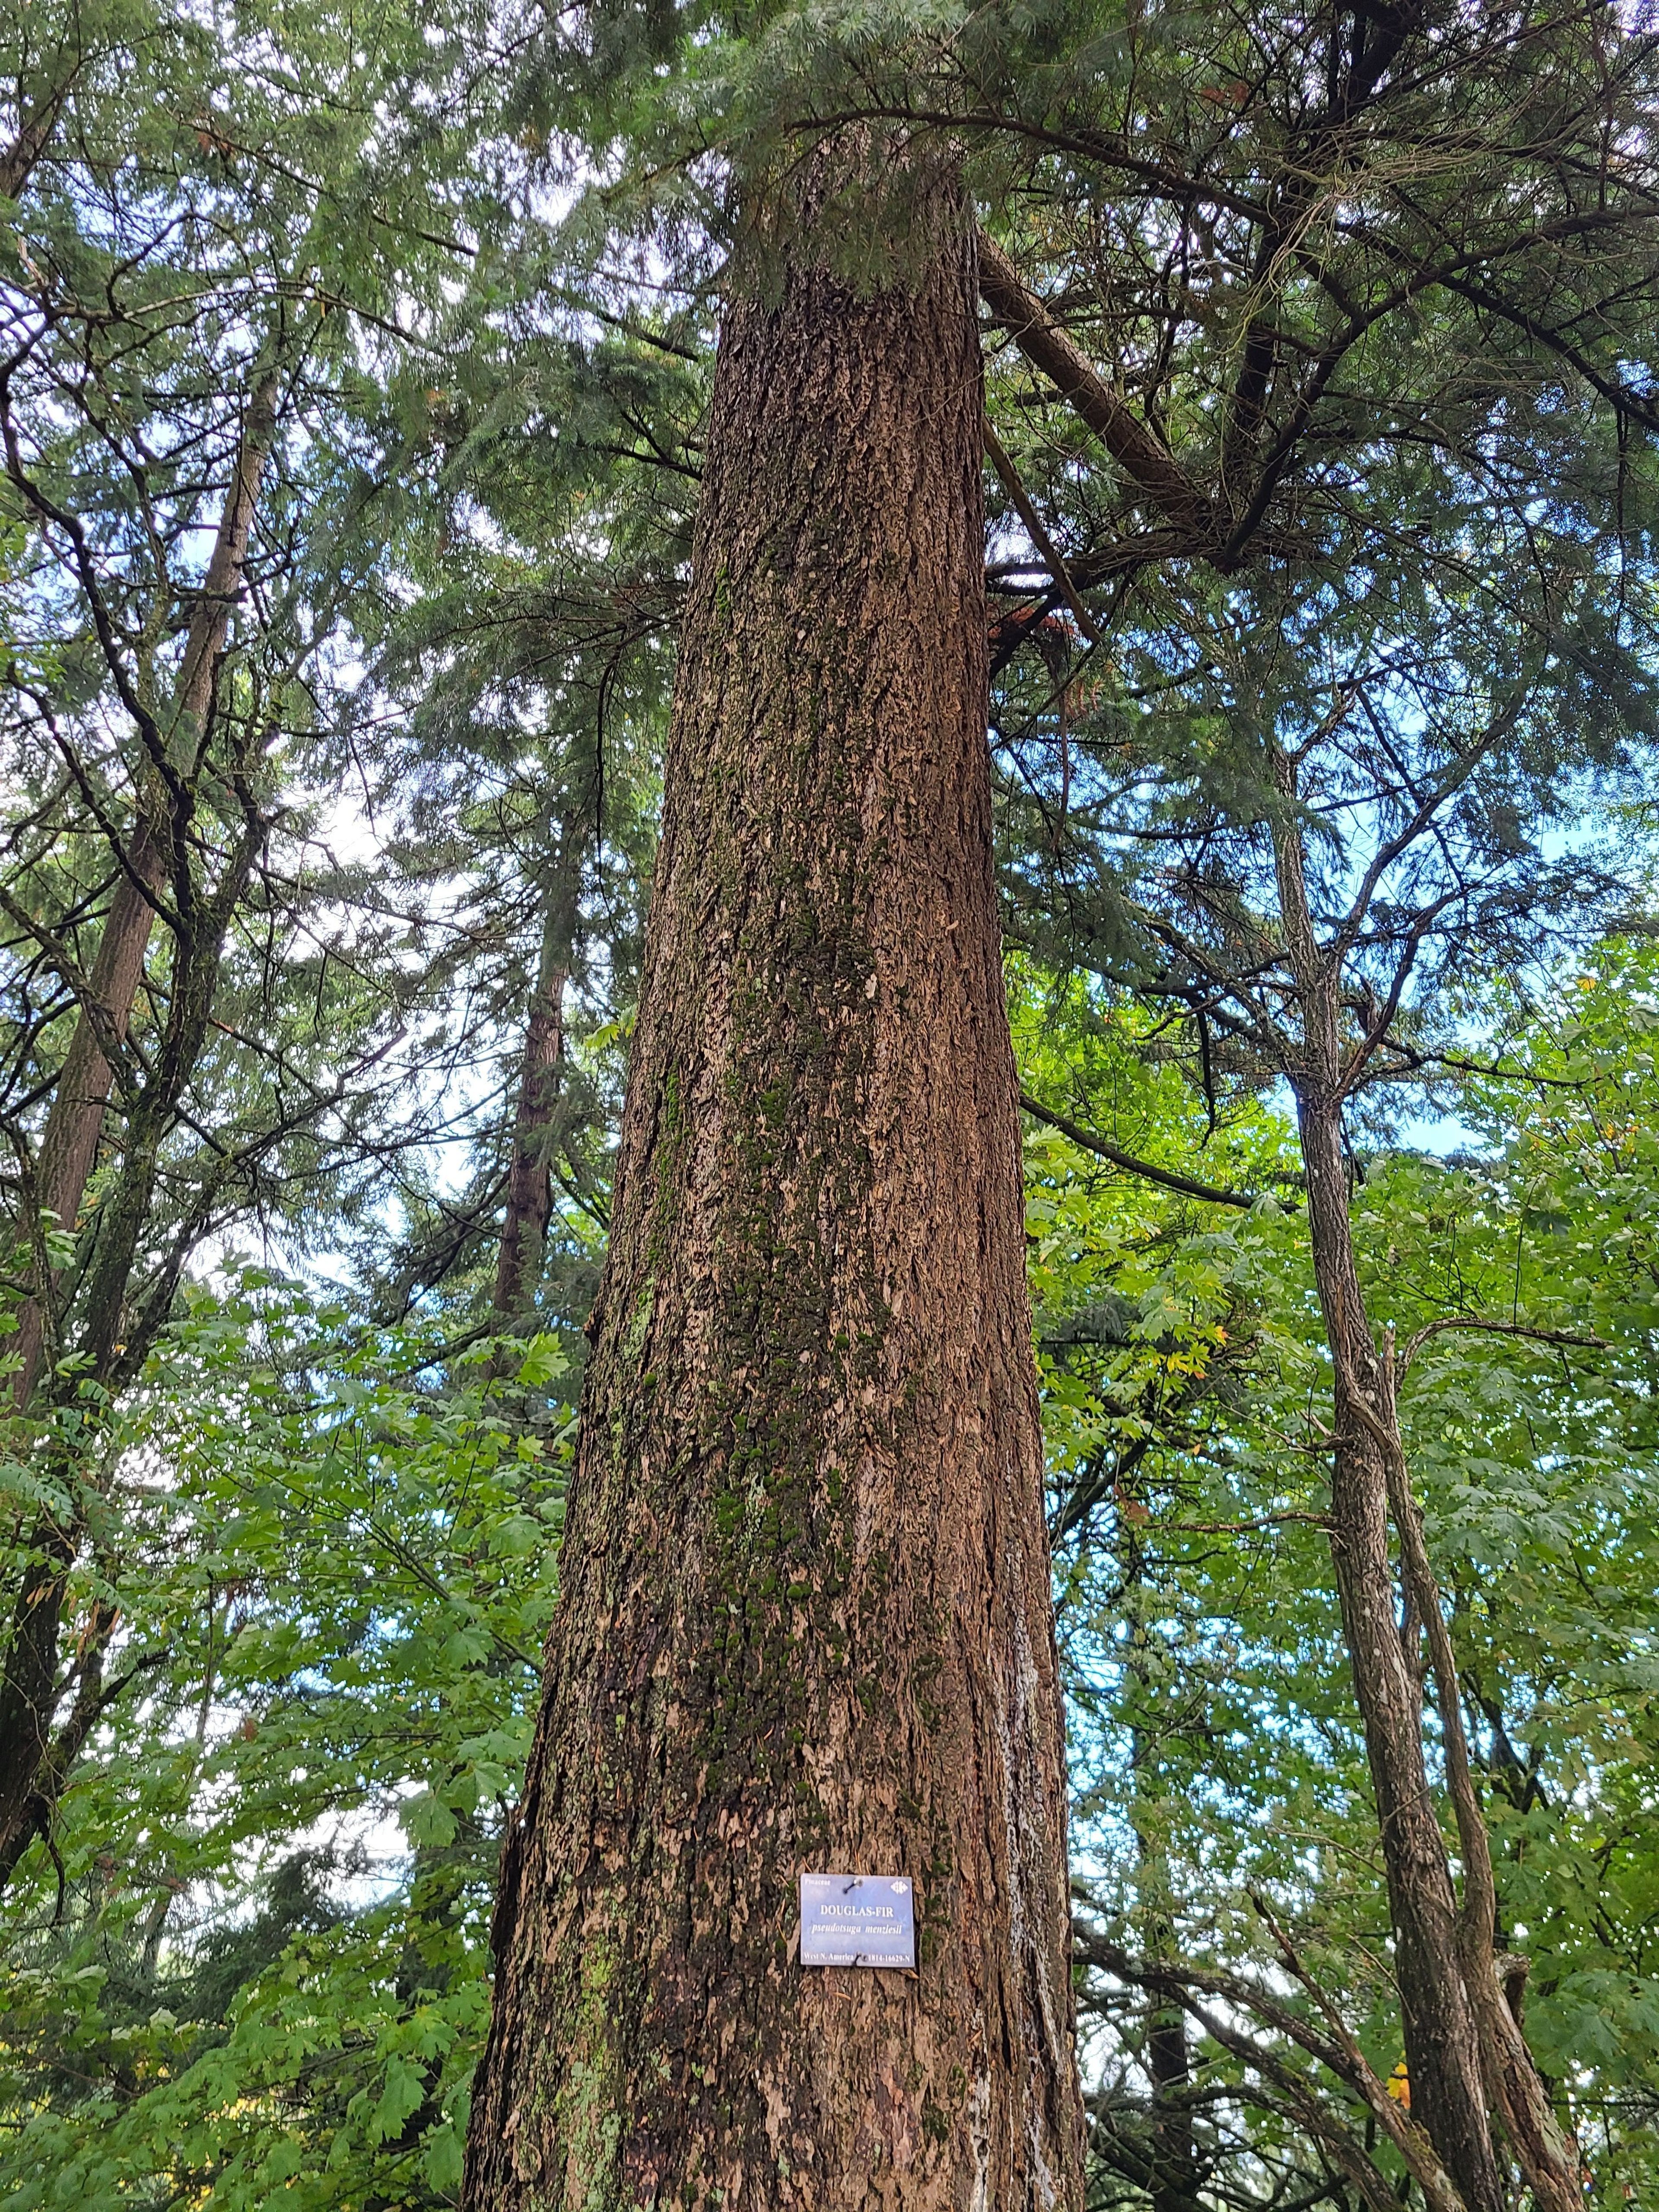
x,y
69,1144
806,1615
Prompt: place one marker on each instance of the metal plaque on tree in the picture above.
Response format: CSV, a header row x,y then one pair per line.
x,y
857,1920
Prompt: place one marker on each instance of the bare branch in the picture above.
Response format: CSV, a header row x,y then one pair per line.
x,y
1570,1337
1138,451
1127,1161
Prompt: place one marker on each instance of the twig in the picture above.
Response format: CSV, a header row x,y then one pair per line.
x,y
1000,461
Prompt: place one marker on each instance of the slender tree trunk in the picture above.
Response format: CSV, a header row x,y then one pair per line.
x,y
1175,2178
1169,2063
806,1620
529,1177
1172,2179
529,1180
69,1144
1466,2057
33,1763
1514,2088
1443,2044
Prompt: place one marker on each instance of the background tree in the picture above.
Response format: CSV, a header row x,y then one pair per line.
x,y
1390,841
1213,1718
198,268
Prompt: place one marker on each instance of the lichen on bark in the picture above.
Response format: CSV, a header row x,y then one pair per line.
x,y
804,1619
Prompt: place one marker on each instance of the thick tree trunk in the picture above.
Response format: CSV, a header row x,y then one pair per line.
x,y
69,1144
806,1620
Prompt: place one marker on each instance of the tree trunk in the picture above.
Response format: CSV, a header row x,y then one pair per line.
x,y
1176,2179
1466,2057
1443,2044
806,1620
1514,2088
529,1206
69,1144
529,1181
1172,2179
1175,2175
33,1763
32,1767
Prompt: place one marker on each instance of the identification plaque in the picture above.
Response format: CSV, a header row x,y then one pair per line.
x,y
857,1920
